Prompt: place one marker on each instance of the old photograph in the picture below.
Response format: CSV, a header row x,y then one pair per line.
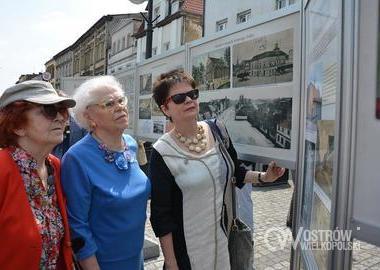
x,y
265,60
145,108
127,83
211,70
257,122
155,109
320,220
146,84
158,127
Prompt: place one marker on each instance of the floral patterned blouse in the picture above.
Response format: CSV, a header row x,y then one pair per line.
x,y
44,207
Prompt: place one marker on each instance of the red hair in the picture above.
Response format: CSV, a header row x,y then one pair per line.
x,y
12,117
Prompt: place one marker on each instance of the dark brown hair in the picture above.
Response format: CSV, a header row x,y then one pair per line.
x,y
165,81
12,117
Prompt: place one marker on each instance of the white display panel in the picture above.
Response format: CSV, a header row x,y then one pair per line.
x,y
249,79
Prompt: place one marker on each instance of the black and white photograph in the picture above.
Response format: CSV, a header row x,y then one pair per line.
x,y
265,60
128,83
211,70
146,84
145,108
257,122
155,109
158,127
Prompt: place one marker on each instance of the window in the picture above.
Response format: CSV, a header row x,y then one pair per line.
x,y
169,7
167,46
123,43
156,12
130,40
281,3
118,45
221,25
244,16
175,6
113,47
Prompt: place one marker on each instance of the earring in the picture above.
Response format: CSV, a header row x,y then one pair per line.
x,y
92,125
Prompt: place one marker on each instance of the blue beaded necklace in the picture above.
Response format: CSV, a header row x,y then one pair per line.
x,y
121,159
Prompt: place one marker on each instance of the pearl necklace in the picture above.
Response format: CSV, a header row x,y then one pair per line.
x,y
195,144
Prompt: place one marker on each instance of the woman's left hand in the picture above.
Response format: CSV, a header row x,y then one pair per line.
x,y
273,172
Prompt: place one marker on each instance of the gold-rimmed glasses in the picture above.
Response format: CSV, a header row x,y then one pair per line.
x,y
110,104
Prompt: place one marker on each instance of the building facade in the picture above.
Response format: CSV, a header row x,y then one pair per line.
x,y
122,54
50,67
64,65
88,56
177,23
225,14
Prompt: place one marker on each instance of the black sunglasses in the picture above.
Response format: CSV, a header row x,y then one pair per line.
x,y
180,98
51,111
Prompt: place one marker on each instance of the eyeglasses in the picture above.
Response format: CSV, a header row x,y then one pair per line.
x,y
111,103
180,98
50,111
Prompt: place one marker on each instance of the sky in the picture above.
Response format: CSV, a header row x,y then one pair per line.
x,y
33,31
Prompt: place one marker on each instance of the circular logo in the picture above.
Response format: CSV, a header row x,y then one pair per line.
x,y
276,238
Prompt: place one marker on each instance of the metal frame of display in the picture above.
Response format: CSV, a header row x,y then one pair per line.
x,y
337,196
368,14
355,52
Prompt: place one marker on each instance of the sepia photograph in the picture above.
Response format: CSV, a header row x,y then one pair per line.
x,y
145,108
320,220
146,84
265,60
325,155
257,122
211,70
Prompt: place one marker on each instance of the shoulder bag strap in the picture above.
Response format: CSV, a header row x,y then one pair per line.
x,y
224,140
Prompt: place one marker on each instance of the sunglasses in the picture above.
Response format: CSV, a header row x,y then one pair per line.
x,y
180,98
51,111
111,103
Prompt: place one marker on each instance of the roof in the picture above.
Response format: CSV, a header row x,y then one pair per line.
x,y
275,53
96,25
193,6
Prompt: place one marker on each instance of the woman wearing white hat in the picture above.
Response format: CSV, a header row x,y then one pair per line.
x,y
33,221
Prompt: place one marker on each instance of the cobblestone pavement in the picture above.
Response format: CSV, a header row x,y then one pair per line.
x,y
271,206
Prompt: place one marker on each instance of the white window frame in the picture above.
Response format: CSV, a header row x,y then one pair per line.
x,y
243,17
221,25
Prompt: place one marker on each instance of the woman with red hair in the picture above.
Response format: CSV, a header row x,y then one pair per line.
x,y
33,221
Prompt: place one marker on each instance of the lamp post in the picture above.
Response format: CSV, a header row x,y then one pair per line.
x,y
149,26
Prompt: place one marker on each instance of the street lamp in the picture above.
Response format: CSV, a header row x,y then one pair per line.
x,y
149,26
